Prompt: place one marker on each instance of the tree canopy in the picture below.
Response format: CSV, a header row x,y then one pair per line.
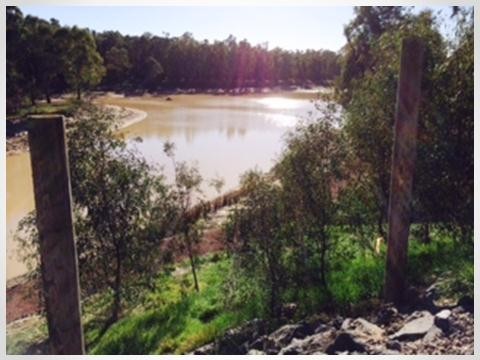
x,y
45,58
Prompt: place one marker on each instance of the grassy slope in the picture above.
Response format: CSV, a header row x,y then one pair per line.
x,y
176,319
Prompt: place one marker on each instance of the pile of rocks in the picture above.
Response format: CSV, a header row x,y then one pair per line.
x,y
386,331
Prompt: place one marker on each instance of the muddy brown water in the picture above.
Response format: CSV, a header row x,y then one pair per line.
x,y
223,135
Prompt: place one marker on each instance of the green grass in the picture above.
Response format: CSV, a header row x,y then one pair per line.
x,y
24,336
175,319
361,277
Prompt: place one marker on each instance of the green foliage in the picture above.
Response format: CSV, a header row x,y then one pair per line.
x,y
186,191
44,58
369,24
122,207
259,224
26,337
279,235
442,192
173,318
83,64
359,279
176,320
67,108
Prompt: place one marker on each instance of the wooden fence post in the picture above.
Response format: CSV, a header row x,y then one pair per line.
x,y
403,164
51,179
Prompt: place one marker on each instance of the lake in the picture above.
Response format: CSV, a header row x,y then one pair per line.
x,y
223,135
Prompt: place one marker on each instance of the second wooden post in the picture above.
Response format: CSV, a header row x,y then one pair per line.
x,y
403,164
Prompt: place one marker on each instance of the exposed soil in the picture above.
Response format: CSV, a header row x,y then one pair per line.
x,y
22,300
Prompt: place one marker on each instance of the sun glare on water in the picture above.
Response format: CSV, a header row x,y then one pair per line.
x,y
282,120
280,103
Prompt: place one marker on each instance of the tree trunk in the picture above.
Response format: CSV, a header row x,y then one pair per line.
x,y
274,303
274,308
323,254
117,296
117,289
32,99
426,233
79,94
192,262
380,229
47,96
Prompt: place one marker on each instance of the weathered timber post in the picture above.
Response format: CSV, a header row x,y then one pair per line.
x,y
51,180
403,164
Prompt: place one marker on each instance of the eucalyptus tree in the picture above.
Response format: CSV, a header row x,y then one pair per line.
x,y
83,65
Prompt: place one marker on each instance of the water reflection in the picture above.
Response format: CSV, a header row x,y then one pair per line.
x,y
277,103
225,135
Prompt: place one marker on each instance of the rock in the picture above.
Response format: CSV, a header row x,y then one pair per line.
x,y
386,315
432,292
168,98
415,327
313,344
442,319
321,328
345,324
362,335
235,340
444,302
255,352
294,348
466,302
283,336
314,324
259,343
337,322
208,349
390,352
394,345
363,330
433,333
345,342
289,310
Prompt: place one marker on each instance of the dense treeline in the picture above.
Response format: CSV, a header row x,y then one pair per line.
x,y
45,58
150,62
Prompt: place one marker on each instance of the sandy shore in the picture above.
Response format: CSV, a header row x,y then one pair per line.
x,y
126,117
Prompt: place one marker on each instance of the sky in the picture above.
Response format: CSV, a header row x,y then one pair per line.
x,y
289,27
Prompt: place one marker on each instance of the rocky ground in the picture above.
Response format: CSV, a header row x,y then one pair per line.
x,y
424,328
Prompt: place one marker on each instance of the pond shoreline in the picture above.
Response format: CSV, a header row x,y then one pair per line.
x,y
125,117
219,91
